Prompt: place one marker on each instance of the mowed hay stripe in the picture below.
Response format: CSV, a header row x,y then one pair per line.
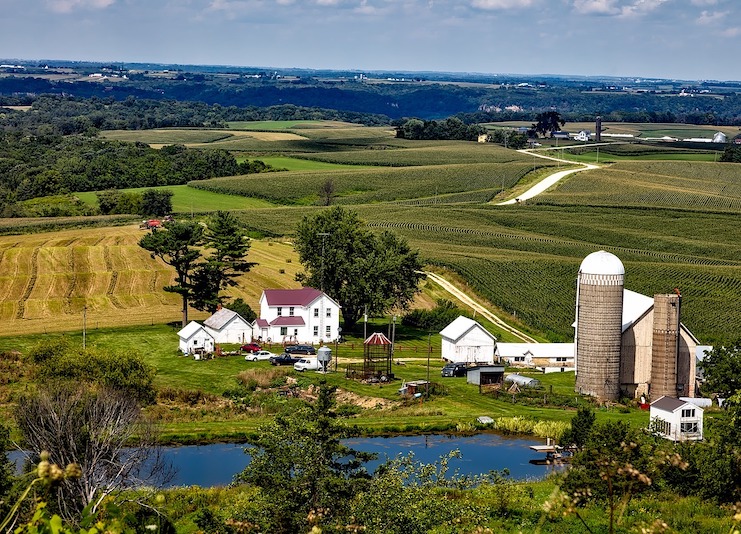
x,y
114,278
20,312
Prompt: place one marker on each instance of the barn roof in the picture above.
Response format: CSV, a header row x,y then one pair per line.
x,y
291,297
221,318
635,305
460,327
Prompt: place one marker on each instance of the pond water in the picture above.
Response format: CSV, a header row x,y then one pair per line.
x,y
216,464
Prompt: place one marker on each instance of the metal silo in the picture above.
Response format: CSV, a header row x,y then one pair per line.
x,y
665,347
599,325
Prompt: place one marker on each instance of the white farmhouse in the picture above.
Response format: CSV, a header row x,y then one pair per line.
x,y
465,340
195,339
676,420
227,326
304,315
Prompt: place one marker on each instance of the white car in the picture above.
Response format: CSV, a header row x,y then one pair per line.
x,y
259,355
307,364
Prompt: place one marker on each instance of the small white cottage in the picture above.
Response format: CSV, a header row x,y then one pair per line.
x,y
465,340
227,326
195,339
676,420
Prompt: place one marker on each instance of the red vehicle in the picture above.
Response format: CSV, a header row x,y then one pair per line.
x,y
151,223
250,347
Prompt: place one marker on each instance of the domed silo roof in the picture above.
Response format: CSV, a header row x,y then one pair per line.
x,y
602,262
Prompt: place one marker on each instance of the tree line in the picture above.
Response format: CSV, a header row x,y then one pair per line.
x,y
39,166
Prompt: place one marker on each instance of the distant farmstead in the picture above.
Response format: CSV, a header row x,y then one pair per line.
x,y
304,315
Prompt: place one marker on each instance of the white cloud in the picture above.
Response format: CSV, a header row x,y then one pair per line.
x,y
67,6
502,4
708,18
596,7
731,32
704,2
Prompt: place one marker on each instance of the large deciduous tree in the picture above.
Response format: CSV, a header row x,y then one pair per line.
x,y
722,370
359,269
548,122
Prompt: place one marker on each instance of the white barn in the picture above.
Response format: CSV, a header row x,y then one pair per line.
x,y
465,340
304,315
194,338
227,326
677,420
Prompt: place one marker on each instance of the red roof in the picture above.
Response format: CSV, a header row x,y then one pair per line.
x,y
262,323
291,297
377,339
288,321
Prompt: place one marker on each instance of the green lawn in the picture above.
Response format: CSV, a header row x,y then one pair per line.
x,y
187,199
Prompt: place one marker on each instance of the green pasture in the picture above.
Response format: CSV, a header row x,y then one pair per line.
x,y
168,136
187,199
286,125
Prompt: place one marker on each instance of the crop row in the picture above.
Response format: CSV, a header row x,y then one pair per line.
x,y
369,185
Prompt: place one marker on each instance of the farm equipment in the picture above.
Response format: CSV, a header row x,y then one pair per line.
x,y
150,224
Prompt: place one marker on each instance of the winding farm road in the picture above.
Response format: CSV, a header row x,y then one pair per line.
x,y
548,181
463,297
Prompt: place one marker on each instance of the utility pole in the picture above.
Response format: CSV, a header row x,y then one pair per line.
x,y
324,241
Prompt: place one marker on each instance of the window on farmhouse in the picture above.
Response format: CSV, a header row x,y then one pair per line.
x,y
316,331
283,330
329,312
316,312
290,311
329,331
688,412
280,311
688,428
560,359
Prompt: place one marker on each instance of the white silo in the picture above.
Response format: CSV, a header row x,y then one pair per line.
x,y
599,325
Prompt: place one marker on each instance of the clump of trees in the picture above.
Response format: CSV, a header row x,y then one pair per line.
x,y
363,271
451,128
434,320
148,203
548,122
732,154
207,258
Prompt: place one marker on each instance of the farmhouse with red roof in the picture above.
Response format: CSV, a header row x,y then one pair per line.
x,y
304,315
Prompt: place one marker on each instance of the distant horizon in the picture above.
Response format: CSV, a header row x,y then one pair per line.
x,y
568,76
656,39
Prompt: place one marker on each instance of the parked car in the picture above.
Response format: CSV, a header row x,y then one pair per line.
x,y
284,359
300,349
250,347
307,364
454,369
259,355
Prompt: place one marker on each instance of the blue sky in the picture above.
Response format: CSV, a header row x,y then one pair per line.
x,y
686,39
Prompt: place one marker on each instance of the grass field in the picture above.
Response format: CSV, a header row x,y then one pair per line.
x,y
188,199
287,125
301,164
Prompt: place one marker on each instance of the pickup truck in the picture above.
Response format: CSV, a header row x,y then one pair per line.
x,y
284,359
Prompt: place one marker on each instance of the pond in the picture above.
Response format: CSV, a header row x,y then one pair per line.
x,y
216,464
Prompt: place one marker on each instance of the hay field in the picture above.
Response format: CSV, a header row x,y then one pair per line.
x,y
47,280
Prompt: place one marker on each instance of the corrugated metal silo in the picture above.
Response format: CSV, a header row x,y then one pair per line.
x,y
599,325
665,348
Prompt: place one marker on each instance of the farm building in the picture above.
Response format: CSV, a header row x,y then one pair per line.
x,y
546,357
676,420
628,342
195,339
227,326
524,381
465,340
304,315
485,375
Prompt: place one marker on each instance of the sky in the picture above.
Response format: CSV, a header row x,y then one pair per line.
x,y
682,39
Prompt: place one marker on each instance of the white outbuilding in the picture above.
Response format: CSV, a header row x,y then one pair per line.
x,y
676,420
195,339
465,340
227,326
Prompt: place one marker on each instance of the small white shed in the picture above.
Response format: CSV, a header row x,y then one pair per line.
x,y
676,420
465,340
227,326
194,338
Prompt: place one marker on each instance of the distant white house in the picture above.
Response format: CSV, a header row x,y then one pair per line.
x,y
304,315
465,340
720,137
227,326
583,135
546,357
676,420
194,339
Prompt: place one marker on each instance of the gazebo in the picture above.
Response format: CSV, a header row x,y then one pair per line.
x,y
377,357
